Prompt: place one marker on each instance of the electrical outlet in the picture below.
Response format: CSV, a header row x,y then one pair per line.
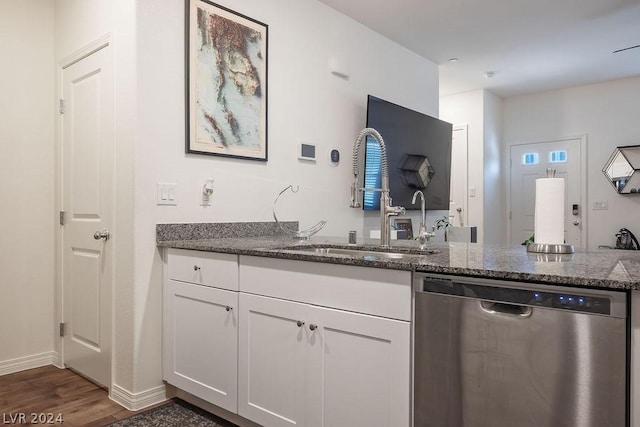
x,y
206,193
206,199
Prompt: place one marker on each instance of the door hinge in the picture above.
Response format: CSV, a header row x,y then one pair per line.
x,y
62,329
61,217
509,214
61,106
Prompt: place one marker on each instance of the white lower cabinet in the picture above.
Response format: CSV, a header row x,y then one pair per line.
x,y
201,341
305,365
254,336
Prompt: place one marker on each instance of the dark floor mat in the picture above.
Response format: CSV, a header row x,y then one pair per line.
x,y
177,413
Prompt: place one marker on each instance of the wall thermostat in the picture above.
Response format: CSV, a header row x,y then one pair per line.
x,y
334,157
307,152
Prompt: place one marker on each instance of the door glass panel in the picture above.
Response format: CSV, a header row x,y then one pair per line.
x,y
559,156
530,159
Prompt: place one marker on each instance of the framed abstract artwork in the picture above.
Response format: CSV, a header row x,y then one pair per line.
x,y
226,82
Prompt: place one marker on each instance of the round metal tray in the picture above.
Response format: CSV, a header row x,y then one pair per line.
x,y
550,249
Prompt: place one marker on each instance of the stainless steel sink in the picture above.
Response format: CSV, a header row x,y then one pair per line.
x,y
365,254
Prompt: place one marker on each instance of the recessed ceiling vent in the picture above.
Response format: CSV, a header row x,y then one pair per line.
x,y
626,48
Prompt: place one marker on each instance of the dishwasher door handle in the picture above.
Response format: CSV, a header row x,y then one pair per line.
x,y
520,311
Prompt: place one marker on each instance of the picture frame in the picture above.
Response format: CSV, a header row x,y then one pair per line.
x,y
406,225
226,82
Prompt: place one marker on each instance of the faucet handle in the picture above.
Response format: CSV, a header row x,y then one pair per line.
x,y
355,203
399,210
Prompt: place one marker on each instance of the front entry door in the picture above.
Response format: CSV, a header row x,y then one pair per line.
x,y
530,162
87,200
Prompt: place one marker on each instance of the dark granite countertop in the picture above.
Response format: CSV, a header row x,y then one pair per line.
x,y
615,269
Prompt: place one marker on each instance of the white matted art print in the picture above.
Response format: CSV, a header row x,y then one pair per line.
x,y
226,108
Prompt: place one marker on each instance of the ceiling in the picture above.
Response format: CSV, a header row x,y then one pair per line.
x,y
528,45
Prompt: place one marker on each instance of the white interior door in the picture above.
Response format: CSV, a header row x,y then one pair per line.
x,y
459,182
530,162
87,200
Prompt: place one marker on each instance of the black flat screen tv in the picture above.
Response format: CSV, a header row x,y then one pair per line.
x,y
418,155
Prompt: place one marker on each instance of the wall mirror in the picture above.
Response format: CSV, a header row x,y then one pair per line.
x,y
623,169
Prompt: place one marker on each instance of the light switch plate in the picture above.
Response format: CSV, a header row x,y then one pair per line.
x,y
600,205
167,194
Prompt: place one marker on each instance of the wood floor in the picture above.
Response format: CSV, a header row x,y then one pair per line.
x,y
59,392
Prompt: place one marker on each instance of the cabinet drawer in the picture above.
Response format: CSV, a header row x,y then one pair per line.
x,y
374,291
203,268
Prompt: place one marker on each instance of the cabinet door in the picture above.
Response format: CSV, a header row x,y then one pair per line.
x,y
271,386
201,342
361,370
203,268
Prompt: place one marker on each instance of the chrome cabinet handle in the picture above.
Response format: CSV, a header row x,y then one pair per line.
x,y
196,268
299,323
228,308
104,234
313,327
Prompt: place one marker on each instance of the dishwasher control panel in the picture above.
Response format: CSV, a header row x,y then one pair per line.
x,y
589,304
537,298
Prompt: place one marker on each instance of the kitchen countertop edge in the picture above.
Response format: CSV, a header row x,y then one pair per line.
x,y
273,246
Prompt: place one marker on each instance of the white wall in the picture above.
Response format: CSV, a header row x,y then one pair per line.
x,y
306,103
608,114
494,212
26,179
468,108
481,110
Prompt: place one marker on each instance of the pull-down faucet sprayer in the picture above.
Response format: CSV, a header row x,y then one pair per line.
x,y
386,210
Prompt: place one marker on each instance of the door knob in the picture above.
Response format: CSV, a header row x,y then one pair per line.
x,y
576,222
104,234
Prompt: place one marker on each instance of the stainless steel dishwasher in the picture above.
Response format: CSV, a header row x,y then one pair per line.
x,y
491,353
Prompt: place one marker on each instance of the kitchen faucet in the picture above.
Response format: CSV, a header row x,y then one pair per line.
x,y
423,234
386,210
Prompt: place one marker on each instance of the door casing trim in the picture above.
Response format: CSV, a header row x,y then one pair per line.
x,y
100,43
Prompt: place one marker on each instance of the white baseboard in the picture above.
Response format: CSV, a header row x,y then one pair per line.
x,y
28,362
57,361
137,401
